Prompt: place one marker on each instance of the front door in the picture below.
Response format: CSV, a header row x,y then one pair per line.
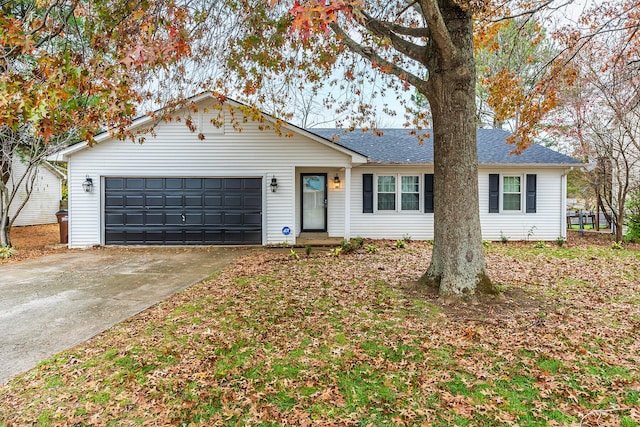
x,y
314,201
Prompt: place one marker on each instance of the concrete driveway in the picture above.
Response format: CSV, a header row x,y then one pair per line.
x,y
52,303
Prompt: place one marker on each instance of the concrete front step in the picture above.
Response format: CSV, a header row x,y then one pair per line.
x,y
317,239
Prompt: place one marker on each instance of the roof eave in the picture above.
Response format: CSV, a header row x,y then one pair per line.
x,y
533,165
54,170
487,165
356,158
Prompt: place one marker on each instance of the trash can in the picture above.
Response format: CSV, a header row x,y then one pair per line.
x,y
63,222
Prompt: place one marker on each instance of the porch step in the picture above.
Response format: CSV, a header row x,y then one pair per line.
x,y
317,239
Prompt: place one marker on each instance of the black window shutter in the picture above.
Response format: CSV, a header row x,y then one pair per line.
x,y
367,193
531,193
428,193
494,193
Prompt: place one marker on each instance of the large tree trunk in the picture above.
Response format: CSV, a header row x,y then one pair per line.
x,y
458,266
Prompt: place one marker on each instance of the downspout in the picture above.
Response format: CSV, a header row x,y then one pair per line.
x,y
563,203
347,202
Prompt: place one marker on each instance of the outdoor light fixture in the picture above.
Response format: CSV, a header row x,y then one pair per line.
x,y
336,182
274,184
87,185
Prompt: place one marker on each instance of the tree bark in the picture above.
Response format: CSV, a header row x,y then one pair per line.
x,y
458,265
5,227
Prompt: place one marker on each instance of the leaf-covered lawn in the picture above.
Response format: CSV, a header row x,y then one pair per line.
x,y
352,340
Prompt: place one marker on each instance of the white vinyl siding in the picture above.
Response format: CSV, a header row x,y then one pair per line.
x,y
388,225
547,223
177,152
44,200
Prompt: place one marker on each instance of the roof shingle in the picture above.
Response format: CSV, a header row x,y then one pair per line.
x,y
400,146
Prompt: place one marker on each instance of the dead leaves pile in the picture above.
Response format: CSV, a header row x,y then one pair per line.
x,y
351,340
34,241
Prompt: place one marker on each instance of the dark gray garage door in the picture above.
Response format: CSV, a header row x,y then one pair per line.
x,y
196,211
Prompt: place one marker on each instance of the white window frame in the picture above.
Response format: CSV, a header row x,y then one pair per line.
x,y
377,191
401,193
503,192
398,193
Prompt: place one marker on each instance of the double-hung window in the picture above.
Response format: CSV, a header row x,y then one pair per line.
x,y
386,193
512,193
402,191
410,193
518,193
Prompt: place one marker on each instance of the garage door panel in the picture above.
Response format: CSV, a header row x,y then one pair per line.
x,y
114,184
134,201
114,218
252,236
183,210
173,183
193,183
134,183
154,183
232,200
194,236
252,218
213,237
212,218
253,202
232,183
231,218
114,201
213,201
154,218
193,201
154,237
174,236
115,236
172,218
134,218
191,218
154,200
253,184
213,183
173,201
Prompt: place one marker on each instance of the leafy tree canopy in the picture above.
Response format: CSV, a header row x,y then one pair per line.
x,y
77,64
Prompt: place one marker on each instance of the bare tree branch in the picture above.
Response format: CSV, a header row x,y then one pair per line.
x,y
380,29
439,32
371,55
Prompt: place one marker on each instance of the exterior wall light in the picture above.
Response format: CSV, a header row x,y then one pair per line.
x,y
274,184
336,182
87,185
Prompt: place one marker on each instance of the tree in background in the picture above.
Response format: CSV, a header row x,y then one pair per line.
x,y
25,146
73,68
632,220
602,116
511,57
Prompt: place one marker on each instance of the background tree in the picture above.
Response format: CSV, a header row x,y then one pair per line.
x,y
603,118
21,145
602,113
511,57
73,68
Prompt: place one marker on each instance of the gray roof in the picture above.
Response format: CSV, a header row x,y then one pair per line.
x,y
400,146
